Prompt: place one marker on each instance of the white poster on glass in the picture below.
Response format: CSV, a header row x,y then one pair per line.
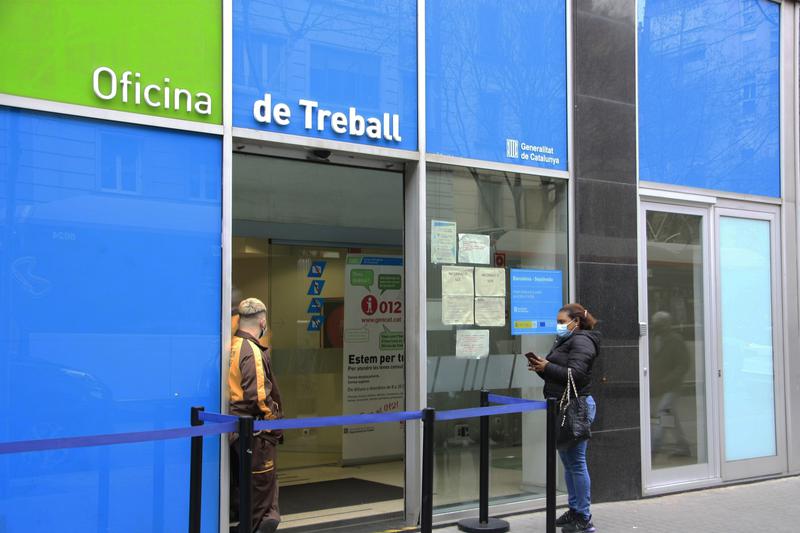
x,y
457,281
458,310
444,242
472,343
373,377
490,311
474,248
490,281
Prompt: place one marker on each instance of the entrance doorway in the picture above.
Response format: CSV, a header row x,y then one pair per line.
x,y
711,298
322,246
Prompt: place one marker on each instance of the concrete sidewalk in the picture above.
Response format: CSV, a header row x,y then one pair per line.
x,y
772,506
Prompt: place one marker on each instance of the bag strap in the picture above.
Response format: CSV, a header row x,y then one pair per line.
x,y
571,382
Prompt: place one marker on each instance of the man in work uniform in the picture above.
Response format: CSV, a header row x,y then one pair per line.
x,y
254,392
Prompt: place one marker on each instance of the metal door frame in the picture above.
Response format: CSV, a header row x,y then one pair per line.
x,y
708,473
763,466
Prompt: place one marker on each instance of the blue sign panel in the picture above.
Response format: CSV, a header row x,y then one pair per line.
x,y
715,65
316,286
536,297
496,84
344,70
100,222
317,269
315,323
315,306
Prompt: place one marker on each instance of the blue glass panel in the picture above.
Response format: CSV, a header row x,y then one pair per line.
x,y
496,76
341,54
709,95
109,318
748,374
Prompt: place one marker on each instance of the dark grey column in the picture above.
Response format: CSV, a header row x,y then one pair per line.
x,y
605,241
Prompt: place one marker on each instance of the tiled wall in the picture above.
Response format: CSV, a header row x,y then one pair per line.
x,y
605,247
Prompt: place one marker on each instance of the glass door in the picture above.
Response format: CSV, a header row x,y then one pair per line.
x,y
676,396
748,302
322,246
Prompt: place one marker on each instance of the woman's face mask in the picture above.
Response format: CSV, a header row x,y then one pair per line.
x,y
562,330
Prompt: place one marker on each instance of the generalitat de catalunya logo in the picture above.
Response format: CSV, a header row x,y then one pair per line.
x,y
512,148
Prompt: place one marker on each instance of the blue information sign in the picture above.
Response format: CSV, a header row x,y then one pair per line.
x,y
315,289
317,269
536,297
315,323
315,306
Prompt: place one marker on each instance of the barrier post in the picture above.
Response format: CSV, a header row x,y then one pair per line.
x,y
196,474
245,474
426,517
483,523
552,436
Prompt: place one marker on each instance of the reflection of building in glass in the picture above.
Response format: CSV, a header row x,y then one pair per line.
x,y
713,64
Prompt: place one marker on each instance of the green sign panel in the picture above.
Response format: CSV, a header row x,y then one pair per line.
x,y
143,56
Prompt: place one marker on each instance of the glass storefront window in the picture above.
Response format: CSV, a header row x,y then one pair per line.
x,y
523,220
676,339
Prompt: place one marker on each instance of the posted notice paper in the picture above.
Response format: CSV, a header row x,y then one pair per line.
x,y
473,248
490,311
458,310
490,281
472,343
457,281
444,241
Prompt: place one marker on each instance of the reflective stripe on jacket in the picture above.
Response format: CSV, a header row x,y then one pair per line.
x,y
252,386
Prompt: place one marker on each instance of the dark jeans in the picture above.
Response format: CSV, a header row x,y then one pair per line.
x,y
576,474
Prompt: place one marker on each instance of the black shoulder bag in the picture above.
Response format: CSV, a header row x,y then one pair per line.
x,y
573,412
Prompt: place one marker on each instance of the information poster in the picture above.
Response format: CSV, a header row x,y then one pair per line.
x,y
490,311
490,281
472,343
373,377
458,310
536,297
474,248
444,242
457,281
458,289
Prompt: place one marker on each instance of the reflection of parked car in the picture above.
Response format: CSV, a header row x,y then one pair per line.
x,y
73,403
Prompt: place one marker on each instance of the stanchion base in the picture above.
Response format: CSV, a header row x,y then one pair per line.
x,y
474,525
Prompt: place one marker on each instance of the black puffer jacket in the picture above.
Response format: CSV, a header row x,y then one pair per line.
x,y
578,352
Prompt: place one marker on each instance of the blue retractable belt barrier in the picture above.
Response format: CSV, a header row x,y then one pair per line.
x,y
227,424
474,412
217,417
114,438
497,398
326,421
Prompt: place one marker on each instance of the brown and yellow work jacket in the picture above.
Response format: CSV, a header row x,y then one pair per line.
x,y
252,385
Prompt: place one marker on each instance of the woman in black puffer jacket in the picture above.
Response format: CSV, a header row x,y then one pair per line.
x,y
577,346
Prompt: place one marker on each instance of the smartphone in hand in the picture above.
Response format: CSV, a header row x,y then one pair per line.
x,y
532,357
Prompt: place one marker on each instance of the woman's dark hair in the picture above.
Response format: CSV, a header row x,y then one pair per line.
x,y
579,312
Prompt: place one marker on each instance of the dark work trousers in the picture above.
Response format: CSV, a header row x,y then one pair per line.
x,y
264,486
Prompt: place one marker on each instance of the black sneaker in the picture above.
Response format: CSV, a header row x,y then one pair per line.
x,y
268,525
566,518
580,525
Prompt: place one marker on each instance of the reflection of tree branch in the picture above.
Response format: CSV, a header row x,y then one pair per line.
x,y
481,193
516,197
712,71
